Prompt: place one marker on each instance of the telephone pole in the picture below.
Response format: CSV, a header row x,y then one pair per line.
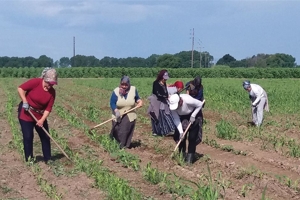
x,y
74,46
199,42
192,63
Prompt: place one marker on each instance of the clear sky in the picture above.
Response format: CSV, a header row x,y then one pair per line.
x,y
121,29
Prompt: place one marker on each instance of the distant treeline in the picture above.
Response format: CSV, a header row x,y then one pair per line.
x,y
178,60
117,72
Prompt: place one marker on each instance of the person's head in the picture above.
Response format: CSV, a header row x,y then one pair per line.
x,y
246,85
49,76
163,75
179,85
125,83
175,101
197,81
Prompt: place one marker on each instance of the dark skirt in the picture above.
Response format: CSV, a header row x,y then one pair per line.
x,y
165,124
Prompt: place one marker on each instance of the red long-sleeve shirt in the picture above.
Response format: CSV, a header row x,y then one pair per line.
x,y
37,98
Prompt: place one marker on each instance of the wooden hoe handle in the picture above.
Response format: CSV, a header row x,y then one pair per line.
x,y
49,135
114,117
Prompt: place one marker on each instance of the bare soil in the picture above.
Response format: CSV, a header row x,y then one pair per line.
x,y
243,176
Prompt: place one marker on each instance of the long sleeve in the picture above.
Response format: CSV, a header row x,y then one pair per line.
x,y
136,97
172,90
177,121
158,90
258,92
189,105
198,105
113,101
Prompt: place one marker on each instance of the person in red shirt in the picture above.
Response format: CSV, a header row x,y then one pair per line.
x,y
37,95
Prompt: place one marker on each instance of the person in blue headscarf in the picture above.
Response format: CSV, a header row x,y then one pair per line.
x,y
124,98
259,101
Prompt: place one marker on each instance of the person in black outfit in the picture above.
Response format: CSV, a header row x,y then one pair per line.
x,y
161,118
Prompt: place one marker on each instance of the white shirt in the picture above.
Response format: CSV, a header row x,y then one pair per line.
x,y
189,105
257,92
172,89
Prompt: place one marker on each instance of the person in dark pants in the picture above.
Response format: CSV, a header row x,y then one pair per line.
x,y
38,96
187,111
124,98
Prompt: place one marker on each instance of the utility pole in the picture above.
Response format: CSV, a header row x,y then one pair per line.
x,y
74,50
199,42
192,63
205,60
74,46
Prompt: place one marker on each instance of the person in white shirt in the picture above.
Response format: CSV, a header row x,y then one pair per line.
x,y
259,101
187,110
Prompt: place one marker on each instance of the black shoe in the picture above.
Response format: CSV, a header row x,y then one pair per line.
x,y
190,158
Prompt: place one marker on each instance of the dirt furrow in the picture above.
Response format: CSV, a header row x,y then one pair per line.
x,y
79,140
16,179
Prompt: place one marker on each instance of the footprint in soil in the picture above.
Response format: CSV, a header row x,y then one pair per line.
x,y
135,144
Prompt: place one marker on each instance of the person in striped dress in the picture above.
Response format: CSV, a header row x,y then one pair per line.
x,y
161,118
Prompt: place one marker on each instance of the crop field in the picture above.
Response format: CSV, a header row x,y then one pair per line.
x,y
234,161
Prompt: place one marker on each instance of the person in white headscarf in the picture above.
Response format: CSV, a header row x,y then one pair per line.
x,y
259,101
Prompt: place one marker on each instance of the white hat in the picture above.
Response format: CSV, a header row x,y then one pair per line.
x,y
173,101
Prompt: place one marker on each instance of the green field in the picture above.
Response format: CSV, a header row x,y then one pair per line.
x,y
234,161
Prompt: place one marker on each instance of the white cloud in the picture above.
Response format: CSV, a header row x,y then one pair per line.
x,y
86,12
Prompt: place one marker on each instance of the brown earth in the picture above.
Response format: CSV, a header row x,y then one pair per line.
x,y
265,165
253,172
16,180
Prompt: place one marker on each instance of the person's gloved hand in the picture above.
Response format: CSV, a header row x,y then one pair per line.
x,y
254,105
180,136
118,116
25,106
192,119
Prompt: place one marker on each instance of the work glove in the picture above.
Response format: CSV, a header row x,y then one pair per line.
x,y
254,105
192,119
118,116
25,106
180,136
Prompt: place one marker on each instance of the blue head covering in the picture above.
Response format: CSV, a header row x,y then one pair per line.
x,y
124,79
246,84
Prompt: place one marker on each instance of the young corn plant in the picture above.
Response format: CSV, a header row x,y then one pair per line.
x,y
207,191
153,175
49,189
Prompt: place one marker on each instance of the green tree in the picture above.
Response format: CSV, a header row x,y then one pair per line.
x,y
168,61
151,61
64,62
226,60
44,61
281,60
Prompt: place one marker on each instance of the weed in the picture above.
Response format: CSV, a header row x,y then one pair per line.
x,y
226,130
